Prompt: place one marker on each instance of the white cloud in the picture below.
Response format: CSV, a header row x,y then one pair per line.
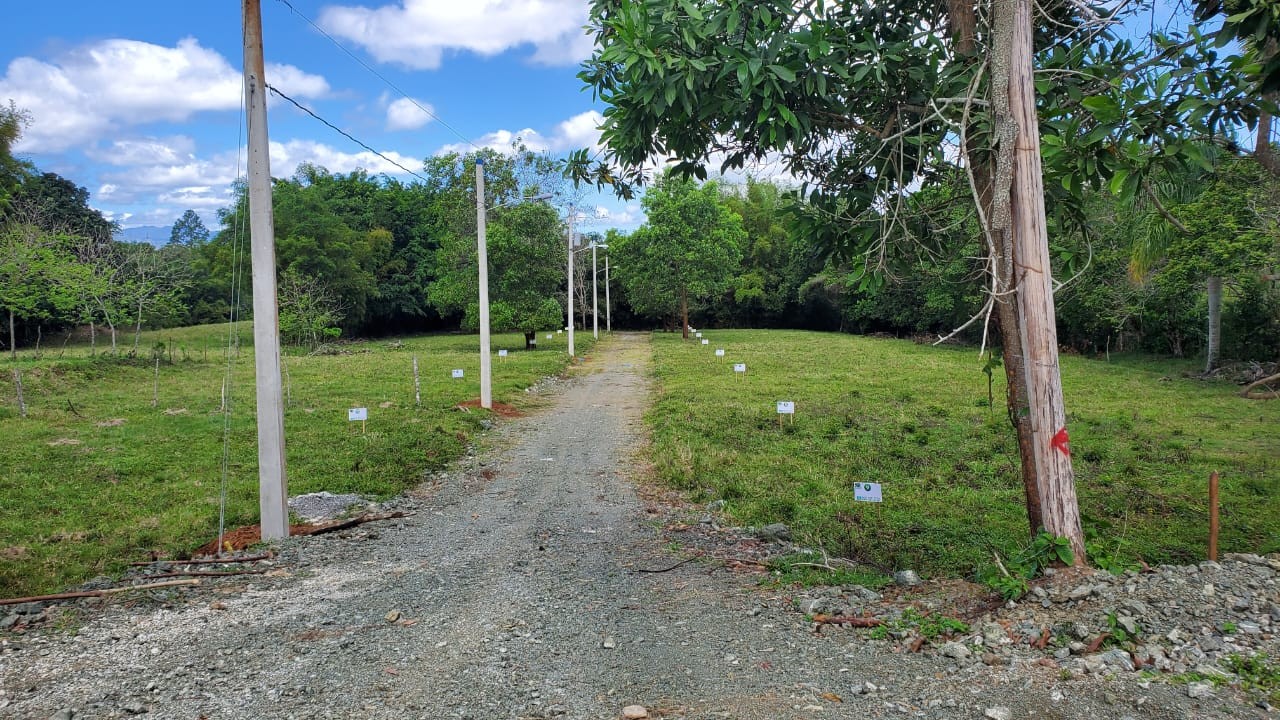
x,y
580,131
103,86
406,114
417,33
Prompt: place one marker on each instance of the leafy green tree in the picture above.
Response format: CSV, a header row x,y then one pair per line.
x,y
868,101
58,204
309,312
33,267
525,247
12,170
189,230
1216,232
687,250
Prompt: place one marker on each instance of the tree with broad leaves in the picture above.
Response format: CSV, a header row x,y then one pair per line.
x,y
687,250
865,101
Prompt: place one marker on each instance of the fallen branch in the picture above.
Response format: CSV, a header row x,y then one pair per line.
x,y
673,567
206,573
350,523
96,593
1271,393
861,622
250,558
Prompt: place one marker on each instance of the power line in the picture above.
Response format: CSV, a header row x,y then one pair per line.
x,y
380,76
344,133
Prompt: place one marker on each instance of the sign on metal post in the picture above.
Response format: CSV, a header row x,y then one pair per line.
x,y
719,352
458,373
502,353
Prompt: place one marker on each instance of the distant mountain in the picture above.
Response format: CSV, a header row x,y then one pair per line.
x,y
155,234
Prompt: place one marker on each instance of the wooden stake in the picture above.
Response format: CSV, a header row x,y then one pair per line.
x,y
17,382
417,384
97,593
1213,515
155,390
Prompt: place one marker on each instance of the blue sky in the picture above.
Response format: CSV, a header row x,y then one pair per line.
x,y
139,101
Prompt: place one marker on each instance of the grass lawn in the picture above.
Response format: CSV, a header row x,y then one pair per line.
x,y
95,476
916,418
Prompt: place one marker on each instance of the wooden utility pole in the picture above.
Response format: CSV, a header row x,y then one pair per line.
x,y
272,486
1055,479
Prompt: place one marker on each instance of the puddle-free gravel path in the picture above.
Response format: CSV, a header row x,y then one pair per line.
x,y
516,594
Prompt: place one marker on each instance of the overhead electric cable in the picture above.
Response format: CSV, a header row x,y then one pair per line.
x,y
344,133
379,75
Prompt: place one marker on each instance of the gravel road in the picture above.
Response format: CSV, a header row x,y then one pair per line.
x,y
516,590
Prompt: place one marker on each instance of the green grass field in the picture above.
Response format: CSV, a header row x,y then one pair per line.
x,y
95,476
916,418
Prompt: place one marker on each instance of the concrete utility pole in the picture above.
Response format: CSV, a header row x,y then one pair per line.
x,y
1054,475
273,491
482,258
595,295
608,323
571,352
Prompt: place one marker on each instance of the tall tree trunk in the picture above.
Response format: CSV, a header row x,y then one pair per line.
x,y
1214,338
13,338
963,25
1262,146
684,313
1055,478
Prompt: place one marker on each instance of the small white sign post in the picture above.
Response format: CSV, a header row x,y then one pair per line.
x,y
361,414
706,341
549,335
458,374
719,352
740,368
786,407
502,353
697,334
867,492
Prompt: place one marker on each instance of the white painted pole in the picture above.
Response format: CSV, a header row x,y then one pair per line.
x,y
595,295
482,258
608,321
571,352
272,484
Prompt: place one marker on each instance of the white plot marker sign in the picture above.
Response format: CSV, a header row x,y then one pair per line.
x,y
719,352
549,335
706,341
502,353
361,414
867,492
458,373
697,334
740,368
786,407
